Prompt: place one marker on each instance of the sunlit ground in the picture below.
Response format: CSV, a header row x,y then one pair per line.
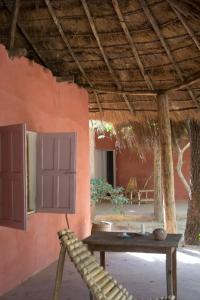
x,y
184,256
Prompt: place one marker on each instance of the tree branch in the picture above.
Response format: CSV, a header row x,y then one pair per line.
x,y
180,165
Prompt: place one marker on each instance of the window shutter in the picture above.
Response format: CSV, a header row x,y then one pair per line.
x,y
13,176
56,172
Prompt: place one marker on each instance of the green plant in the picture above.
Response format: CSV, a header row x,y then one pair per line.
x,y
100,190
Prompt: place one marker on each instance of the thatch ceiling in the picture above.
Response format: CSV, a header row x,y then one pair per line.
x,y
117,49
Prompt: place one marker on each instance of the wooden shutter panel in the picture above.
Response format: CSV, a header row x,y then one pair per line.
x,y
13,204
56,172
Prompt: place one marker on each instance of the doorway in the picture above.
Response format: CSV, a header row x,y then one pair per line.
x,y
105,165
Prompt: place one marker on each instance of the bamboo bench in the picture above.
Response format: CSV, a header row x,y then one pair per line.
x,y
101,284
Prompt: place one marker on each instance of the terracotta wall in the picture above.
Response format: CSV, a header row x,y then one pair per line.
x,y
129,164
30,94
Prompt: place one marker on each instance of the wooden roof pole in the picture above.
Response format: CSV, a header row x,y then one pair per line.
x,y
165,46
66,42
185,9
26,36
132,44
14,23
193,79
186,26
157,170
127,92
167,163
95,33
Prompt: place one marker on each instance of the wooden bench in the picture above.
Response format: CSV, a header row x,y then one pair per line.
x,y
145,199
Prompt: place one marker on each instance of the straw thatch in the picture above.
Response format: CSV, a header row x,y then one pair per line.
x,y
124,52
140,136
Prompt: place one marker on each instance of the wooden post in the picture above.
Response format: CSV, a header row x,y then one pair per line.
x,y
167,163
158,199
14,23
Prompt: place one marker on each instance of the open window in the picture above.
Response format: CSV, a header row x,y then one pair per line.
x,y
56,172
13,176
37,173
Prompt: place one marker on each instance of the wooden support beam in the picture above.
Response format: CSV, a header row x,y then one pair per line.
x,y
94,30
98,102
17,52
130,107
132,44
165,45
65,40
156,28
15,12
158,197
27,37
191,80
186,26
110,69
190,10
65,78
67,44
167,163
127,92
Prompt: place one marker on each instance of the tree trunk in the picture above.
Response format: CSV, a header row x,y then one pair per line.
x,y
158,200
167,164
192,230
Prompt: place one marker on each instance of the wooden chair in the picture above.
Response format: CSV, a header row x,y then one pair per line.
x,y
101,284
132,189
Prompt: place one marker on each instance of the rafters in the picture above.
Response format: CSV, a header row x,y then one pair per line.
x,y
93,27
127,92
165,45
94,30
132,44
192,80
66,42
27,37
189,9
15,12
186,26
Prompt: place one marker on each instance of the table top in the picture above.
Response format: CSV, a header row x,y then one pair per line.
x,y
111,240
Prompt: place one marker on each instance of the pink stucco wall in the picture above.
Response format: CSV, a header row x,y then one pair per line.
x,y
30,94
129,164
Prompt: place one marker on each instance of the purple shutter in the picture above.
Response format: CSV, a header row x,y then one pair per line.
x,y
56,172
13,176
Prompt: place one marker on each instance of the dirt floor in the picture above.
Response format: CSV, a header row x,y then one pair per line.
x,y
132,216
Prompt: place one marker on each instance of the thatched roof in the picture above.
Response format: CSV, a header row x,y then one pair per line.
x,y
124,52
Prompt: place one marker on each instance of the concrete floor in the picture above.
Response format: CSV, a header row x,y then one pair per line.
x,y
142,274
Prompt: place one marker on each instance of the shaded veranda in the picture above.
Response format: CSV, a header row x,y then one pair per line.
x,y
136,61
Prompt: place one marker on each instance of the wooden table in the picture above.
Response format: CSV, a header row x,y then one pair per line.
x,y
114,242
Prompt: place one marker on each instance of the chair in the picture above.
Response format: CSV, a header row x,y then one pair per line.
x,y
101,284
132,189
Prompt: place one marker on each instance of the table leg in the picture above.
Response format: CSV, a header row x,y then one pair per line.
x,y
169,276
102,259
174,272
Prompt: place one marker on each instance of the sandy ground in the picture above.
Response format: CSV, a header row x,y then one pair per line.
x,y
133,215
